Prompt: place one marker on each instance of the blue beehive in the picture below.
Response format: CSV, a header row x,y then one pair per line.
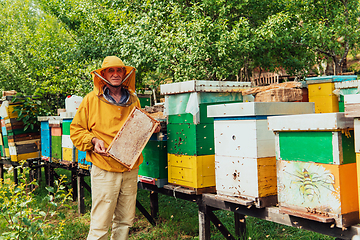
x,y
82,163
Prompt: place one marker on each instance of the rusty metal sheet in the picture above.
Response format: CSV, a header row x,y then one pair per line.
x,y
131,139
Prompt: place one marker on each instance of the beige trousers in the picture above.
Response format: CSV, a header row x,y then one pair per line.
x,y
113,200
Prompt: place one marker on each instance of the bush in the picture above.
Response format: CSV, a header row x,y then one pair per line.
x,y
27,219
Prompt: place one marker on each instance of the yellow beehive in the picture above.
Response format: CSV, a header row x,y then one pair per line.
x,y
191,171
323,97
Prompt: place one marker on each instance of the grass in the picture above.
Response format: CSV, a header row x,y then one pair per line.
x,y
178,219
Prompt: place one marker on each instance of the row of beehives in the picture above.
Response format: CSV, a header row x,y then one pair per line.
x,y
56,145
305,162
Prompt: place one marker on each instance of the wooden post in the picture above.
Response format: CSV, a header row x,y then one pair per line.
x,y
74,184
80,194
154,204
2,172
240,225
15,175
204,223
31,178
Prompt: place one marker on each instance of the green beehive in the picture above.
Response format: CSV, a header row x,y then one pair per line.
x,y
155,160
191,139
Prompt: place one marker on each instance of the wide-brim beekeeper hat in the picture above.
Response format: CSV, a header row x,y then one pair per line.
x,y
113,61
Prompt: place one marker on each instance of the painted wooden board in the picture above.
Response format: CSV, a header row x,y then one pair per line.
x,y
190,139
324,189
81,159
56,131
310,122
66,141
191,171
131,139
66,126
244,138
245,177
316,146
203,86
25,156
56,150
68,154
155,160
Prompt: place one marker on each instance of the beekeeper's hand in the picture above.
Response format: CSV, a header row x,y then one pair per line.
x,y
99,146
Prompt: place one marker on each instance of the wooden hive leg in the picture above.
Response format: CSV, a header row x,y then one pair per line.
x,y
204,223
240,225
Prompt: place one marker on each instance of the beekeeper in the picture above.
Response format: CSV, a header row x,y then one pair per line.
x,y
99,117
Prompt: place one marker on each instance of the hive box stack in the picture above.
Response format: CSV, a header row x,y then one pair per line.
x,y
23,144
316,167
320,91
352,110
191,160
345,88
6,152
56,138
153,170
46,136
68,148
245,163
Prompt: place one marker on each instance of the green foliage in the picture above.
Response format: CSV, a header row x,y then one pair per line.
x,y
25,220
52,45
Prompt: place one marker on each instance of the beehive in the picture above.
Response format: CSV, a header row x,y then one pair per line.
x,y
153,170
46,136
6,153
22,143
320,91
352,107
81,159
56,147
68,148
245,148
316,167
190,130
346,88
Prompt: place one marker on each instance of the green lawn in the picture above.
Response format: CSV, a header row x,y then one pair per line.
x,y
178,219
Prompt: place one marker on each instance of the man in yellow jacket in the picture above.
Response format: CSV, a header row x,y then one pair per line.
x,y
99,117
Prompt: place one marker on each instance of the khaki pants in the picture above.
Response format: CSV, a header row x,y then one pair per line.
x,y
113,200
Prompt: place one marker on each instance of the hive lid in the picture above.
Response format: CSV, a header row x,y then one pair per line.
x,y
310,122
333,78
47,118
347,84
203,86
259,109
